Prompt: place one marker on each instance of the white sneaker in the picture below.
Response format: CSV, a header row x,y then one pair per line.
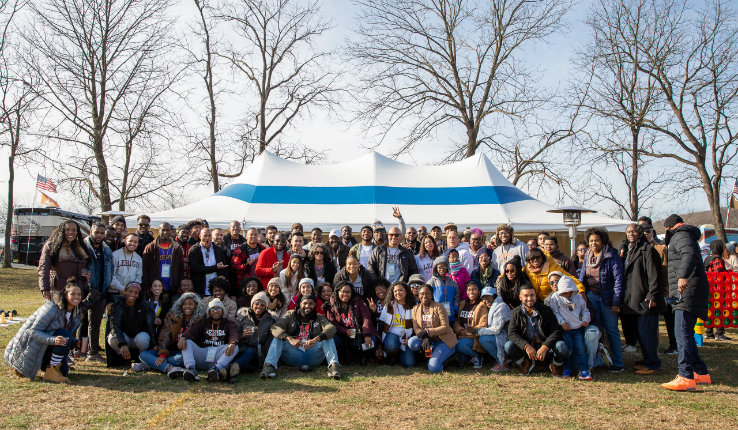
x,y
605,355
629,348
139,367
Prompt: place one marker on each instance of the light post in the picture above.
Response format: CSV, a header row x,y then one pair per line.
x,y
572,219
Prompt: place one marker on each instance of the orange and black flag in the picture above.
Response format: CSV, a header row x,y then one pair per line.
x,y
48,201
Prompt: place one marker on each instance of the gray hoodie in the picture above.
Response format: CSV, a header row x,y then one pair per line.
x,y
572,311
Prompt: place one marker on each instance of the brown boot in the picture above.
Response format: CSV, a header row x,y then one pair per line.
x,y
53,374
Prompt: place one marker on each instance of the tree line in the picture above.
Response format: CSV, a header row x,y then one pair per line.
x,y
94,90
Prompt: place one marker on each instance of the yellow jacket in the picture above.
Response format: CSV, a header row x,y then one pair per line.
x,y
540,279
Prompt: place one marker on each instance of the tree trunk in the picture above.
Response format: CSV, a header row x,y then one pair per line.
x,y
713,199
8,254
102,174
634,209
471,142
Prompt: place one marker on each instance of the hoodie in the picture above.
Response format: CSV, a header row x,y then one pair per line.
x,y
126,268
497,318
445,290
572,311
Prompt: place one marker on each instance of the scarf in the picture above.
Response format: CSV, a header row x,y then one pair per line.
x,y
594,262
485,274
454,268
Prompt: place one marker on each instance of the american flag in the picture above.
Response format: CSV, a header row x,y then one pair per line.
x,y
45,184
735,187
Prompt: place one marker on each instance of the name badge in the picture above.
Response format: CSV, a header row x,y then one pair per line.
x,y
165,270
211,354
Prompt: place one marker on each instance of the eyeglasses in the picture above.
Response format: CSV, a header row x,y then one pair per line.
x,y
510,271
259,303
142,224
393,234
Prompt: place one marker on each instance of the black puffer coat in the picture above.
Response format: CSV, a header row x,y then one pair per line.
x,y
685,261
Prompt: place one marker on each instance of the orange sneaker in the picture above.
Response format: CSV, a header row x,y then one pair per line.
x,y
680,383
702,379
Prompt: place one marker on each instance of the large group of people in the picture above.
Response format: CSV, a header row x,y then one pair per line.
x,y
200,299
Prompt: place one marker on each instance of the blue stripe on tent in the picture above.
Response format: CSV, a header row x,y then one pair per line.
x,y
292,195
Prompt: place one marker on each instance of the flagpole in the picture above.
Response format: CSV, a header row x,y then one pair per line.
x,y
727,215
30,220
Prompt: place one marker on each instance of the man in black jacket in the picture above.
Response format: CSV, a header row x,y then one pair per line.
x,y
207,261
302,338
689,292
643,298
144,234
391,261
535,335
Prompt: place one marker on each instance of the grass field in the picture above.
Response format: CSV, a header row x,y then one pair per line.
x,y
366,398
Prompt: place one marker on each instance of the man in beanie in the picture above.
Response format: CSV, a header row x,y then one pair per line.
x,y
210,343
302,338
689,292
119,224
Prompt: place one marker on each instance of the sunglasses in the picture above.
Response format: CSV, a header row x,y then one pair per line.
x,y
393,235
510,271
319,253
142,224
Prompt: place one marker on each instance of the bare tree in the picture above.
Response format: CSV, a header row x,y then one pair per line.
x,y
105,68
204,60
276,53
17,104
620,99
436,63
692,58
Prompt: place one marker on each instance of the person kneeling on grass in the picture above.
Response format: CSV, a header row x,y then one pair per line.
x,y
168,358
535,335
132,323
210,343
255,325
433,335
356,335
302,338
573,316
46,337
493,337
472,315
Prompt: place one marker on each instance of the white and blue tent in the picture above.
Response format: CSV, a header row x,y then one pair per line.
x,y
471,192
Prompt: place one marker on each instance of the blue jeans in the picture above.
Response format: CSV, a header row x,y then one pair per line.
x,y
247,358
689,359
648,338
149,357
607,321
465,348
558,354
291,356
392,345
441,353
574,339
592,337
495,345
